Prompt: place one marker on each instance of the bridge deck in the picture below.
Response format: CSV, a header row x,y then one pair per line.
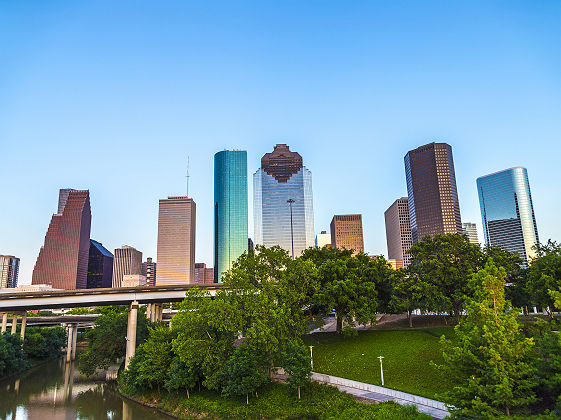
x,y
25,301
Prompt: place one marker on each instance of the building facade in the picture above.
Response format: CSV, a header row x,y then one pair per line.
x,y
63,259
346,232
176,241
434,207
508,212
470,230
230,209
283,204
126,261
100,266
398,231
149,270
323,239
9,271
204,274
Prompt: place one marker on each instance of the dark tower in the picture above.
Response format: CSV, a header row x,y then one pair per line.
x,y
431,186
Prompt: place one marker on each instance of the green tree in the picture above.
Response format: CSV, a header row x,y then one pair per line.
x,y
409,293
446,263
12,355
106,341
245,372
544,274
347,284
206,331
182,376
489,359
297,363
157,356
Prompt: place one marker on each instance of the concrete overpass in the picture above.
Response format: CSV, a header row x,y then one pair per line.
x,y
18,303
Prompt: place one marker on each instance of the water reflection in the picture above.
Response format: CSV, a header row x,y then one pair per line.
x,y
56,391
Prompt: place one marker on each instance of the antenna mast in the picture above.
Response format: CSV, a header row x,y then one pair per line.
x,y
187,176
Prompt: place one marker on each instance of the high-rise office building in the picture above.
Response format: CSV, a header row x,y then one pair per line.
x,y
149,270
470,230
508,213
323,239
283,204
100,266
346,232
203,274
230,209
398,231
63,259
9,270
431,188
176,241
127,261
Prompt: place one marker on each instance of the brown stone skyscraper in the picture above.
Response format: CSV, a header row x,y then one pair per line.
x,y
398,231
431,186
176,241
63,259
346,232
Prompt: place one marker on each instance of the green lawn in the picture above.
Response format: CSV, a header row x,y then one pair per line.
x,y
407,356
277,401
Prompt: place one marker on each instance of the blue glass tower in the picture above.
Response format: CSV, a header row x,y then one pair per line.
x,y
507,212
230,209
283,206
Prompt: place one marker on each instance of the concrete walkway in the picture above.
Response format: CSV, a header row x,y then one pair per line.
x,y
375,393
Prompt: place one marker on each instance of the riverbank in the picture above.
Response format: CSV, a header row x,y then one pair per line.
x,y
274,401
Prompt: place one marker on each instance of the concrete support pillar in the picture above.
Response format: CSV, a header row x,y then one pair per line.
x,y
14,323
23,325
131,332
4,322
149,311
69,343
74,337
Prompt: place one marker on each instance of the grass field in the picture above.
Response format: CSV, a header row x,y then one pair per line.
x,y
407,356
277,401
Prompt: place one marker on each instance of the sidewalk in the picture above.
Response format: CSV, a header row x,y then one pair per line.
x,y
374,393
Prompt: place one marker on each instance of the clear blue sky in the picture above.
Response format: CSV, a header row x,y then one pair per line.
x,y
113,97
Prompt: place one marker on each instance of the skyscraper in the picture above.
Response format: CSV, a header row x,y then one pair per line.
x,y
230,209
203,274
176,241
283,204
149,270
63,259
127,261
100,266
398,232
507,212
9,270
323,239
346,232
431,188
470,230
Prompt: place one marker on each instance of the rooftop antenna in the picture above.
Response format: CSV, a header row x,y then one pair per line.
x,y
187,176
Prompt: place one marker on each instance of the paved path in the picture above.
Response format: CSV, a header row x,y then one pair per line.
x,y
376,393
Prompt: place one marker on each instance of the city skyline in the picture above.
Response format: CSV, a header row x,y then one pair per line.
x,y
352,101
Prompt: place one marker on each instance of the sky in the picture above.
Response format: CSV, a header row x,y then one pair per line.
x,y
115,97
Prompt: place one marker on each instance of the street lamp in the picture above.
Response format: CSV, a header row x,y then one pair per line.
x,y
381,369
290,201
312,356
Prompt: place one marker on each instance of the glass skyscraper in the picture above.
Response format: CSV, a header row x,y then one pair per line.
x,y
507,211
283,177
230,209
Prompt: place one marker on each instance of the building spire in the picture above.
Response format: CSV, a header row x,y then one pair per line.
x,y
187,176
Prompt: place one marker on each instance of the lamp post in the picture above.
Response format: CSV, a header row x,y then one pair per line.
x,y
312,356
381,369
290,201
